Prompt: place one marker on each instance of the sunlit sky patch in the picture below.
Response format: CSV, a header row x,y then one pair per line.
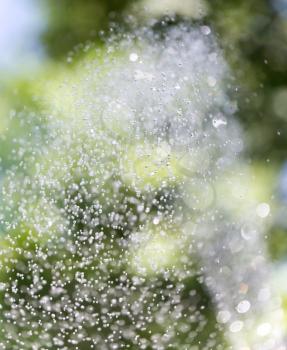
x,y
21,22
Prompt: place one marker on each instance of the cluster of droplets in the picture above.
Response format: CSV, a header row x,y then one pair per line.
x,y
116,233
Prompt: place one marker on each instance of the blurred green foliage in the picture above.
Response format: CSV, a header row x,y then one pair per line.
x,y
73,22
254,39
278,243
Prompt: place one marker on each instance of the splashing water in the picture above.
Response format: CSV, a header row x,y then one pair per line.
x,y
128,225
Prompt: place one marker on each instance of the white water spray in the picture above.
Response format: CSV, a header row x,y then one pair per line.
x,y
134,211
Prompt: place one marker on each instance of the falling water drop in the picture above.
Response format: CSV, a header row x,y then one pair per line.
x,y
133,57
263,210
243,306
217,122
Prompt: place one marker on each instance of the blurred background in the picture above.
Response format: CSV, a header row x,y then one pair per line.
x,y
39,38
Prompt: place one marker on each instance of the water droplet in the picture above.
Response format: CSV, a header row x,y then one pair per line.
x,y
205,30
243,306
223,316
133,57
217,122
156,220
211,81
263,210
248,232
236,326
